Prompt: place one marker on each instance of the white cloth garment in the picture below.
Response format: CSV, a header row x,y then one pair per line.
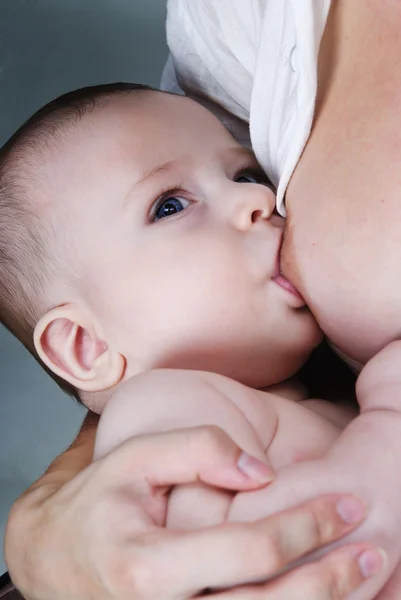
x,y
258,60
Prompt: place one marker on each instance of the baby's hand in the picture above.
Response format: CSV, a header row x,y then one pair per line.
x,y
379,384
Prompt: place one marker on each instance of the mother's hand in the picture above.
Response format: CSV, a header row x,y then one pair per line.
x,y
392,589
101,535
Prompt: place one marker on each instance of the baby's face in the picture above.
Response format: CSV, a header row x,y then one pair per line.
x,y
177,243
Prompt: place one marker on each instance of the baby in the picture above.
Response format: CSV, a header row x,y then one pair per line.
x,y
279,424
138,238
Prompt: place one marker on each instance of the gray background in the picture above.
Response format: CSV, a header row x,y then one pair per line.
x,y
48,47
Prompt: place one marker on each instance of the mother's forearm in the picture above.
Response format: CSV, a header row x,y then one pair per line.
x,y
74,459
22,519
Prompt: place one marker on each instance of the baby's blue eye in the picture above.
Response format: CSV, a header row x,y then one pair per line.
x,y
170,206
246,178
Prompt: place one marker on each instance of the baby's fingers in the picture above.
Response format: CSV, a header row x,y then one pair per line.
x,y
334,577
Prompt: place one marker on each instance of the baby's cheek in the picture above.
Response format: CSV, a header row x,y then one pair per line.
x,y
195,506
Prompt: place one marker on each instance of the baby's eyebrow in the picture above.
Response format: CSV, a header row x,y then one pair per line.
x,y
170,164
244,152
163,168
149,174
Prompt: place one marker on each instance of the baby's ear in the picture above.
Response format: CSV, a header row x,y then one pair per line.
x,y
69,345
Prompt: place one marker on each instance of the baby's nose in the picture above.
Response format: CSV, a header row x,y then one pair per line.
x,y
253,203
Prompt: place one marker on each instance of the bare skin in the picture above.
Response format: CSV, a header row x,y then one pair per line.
x,y
355,199
347,183
131,557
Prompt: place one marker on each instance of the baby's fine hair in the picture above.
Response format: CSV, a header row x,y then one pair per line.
x,y
27,263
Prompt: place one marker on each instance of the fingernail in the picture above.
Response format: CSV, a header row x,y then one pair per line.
x,y
372,562
254,468
351,510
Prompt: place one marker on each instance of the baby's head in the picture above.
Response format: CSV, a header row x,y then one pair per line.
x,y
135,233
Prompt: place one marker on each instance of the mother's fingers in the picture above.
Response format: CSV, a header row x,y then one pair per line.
x,y
334,577
227,555
205,454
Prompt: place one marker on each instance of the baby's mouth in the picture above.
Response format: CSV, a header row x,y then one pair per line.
x,y
282,281
287,285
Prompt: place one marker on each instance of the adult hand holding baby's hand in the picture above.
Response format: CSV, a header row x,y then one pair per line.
x,y
94,538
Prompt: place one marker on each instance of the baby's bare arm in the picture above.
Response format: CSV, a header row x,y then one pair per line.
x,y
167,399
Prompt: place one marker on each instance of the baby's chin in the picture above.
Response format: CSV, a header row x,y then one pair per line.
x,y
290,362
